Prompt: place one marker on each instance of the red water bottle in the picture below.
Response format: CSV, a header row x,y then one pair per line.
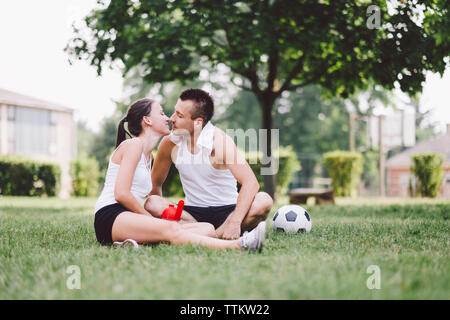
x,y
171,213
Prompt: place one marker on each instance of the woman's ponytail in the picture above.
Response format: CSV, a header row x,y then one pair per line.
x,y
121,133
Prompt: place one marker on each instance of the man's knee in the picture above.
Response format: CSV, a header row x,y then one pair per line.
x,y
154,204
265,203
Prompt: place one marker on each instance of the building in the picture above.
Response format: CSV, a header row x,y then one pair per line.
x,y
39,130
398,173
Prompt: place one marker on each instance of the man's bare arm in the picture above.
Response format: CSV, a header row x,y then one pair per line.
x,y
234,160
161,166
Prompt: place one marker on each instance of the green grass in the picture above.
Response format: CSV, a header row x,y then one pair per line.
x,y
40,238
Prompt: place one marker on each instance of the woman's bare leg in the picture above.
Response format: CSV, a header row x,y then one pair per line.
x,y
202,228
149,229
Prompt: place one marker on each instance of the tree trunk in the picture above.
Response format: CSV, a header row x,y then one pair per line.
x,y
267,102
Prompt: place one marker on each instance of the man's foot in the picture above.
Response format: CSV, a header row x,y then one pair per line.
x,y
126,243
254,239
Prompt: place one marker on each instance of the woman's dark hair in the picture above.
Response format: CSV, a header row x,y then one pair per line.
x,y
133,119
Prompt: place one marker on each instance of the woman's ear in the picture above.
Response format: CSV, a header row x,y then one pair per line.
x,y
148,121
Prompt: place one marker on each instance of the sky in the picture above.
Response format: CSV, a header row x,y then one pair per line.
x,y
34,33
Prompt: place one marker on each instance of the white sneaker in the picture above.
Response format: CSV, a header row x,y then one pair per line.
x,y
126,243
254,240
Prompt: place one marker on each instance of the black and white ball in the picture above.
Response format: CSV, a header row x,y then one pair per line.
x,y
291,219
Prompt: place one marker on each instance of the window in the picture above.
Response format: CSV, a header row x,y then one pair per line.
x,y
31,130
11,129
11,113
52,118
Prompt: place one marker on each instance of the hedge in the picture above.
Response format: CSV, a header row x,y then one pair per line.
x,y
20,176
344,169
427,169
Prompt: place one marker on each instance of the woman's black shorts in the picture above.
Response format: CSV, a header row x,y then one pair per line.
x,y
104,220
214,215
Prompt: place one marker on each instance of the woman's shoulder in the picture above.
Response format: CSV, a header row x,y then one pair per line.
x,y
132,146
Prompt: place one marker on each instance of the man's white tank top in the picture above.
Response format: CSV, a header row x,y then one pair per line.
x,y
204,185
140,186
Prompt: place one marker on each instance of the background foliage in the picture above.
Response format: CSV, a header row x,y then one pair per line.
x,y
85,175
344,168
427,169
26,177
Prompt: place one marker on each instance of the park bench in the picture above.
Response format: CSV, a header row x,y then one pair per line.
x,y
321,195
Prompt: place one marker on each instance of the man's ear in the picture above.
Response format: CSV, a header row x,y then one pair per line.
x,y
198,122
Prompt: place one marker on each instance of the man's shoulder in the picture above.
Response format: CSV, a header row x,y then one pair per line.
x,y
219,134
221,139
225,149
166,146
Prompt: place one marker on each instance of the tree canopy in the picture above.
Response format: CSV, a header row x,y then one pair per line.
x,y
274,45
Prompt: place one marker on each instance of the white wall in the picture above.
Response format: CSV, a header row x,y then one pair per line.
x,y
66,145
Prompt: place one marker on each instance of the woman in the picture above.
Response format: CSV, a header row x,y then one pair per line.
x,y
120,217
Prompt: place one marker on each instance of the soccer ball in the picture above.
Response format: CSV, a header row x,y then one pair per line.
x,y
291,219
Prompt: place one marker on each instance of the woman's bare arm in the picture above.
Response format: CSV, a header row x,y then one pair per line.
x,y
131,154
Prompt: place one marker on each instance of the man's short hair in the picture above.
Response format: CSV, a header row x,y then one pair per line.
x,y
203,104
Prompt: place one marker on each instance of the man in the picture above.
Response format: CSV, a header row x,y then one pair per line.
x,y
210,167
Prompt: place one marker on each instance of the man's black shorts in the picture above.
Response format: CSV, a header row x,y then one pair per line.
x,y
214,215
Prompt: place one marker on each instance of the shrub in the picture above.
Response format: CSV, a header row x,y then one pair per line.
x,y
344,168
50,175
85,175
427,169
25,177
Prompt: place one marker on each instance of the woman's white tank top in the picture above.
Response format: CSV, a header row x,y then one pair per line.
x,y
140,186
204,185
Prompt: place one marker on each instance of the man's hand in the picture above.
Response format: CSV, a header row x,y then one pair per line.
x,y
230,229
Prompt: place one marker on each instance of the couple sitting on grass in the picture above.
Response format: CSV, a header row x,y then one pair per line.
x,y
215,214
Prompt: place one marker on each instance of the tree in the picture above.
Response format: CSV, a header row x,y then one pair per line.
x,y
322,124
275,45
104,143
84,137
425,126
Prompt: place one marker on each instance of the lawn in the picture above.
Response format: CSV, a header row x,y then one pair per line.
x,y
408,241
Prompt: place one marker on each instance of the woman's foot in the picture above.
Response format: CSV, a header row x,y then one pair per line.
x,y
254,239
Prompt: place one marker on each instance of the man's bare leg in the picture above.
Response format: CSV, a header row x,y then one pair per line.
x,y
259,210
